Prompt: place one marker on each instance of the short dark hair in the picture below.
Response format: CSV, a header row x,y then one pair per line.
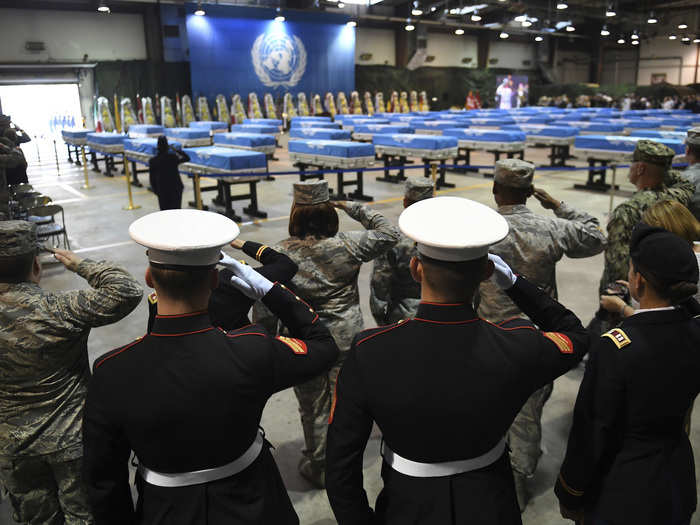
x,y
694,150
453,276
16,268
181,284
162,144
316,220
513,194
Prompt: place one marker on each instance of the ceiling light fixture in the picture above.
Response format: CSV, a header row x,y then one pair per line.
x,y
685,39
341,5
621,40
103,8
459,31
433,9
351,23
604,31
570,29
634,36
562,5
409,26
279,17
682,26
610,12
416,11
503,35
520,18
672,37
635,42
538,38
526,23
696,41
652,19
476,17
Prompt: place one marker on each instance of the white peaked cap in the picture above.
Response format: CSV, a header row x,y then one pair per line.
x,y
184,237
452,228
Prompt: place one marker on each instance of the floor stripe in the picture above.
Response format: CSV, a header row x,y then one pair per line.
x,y
73,191
103,247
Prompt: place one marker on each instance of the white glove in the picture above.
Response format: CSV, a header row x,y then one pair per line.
x,y
247,280
503,276
227,260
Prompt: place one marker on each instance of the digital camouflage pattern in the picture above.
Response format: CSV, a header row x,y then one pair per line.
x,y
514,173
394,295
315,192
693,137
17,238
692,175
653,152
46,490
10,157
625,217
418,189
327,280
534,245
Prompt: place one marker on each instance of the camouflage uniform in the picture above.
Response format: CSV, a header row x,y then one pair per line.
x,y
327,280
532,248
626,215
692,173
10,157
44,373
394,295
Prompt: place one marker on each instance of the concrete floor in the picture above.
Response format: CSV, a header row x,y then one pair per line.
x,y
98,225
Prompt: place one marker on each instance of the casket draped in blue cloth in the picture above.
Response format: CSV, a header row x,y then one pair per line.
x,y
252,141
310,119
319,133
189,136
141,150
254,128
545,134
315,124
211,125
617,147
436,127
607,128
486,139
491,122
367,131
534,119
331,153
631,124
109,143
75,136
656,134
145,130
423,146
350,124
226,163
263,121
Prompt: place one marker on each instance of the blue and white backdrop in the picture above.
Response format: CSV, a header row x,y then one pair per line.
x,y
243,50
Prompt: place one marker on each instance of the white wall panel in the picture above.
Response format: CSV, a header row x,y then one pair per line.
x,y
380,43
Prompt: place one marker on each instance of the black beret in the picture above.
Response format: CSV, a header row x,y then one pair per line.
x,y
665,255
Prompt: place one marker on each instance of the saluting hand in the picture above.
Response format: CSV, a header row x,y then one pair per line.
x,y
340,204
546,200
70,260
238,244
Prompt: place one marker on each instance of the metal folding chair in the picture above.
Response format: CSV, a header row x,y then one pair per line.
x,y
51,229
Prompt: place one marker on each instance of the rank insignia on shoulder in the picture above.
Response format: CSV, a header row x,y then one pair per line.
x,y
152,298
618,337
297,345
562,341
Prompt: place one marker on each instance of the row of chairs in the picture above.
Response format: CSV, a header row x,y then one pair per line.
x,y
31,205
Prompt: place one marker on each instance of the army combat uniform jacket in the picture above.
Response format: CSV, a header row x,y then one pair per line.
x,y
443,386
534,245
625,217
44,368
188,397
629,459
692,175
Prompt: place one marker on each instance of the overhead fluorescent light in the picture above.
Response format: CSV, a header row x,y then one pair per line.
x,y
562,5
570,29
459,31
538,38
604,31
503,35
682,26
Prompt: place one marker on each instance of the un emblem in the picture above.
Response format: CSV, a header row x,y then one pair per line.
x,y
278,59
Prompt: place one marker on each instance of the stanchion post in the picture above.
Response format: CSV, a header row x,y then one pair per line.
x,y
197,192
55,151
86,185
127,177
612,187
433,175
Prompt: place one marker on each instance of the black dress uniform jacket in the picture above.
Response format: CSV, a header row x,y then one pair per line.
x,y
443,386
189,396
164,178
629,459
228,307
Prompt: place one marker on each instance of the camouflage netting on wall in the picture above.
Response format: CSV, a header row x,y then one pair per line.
x,y
145,77
657,91
449,84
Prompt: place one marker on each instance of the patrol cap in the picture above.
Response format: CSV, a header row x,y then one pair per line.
x,y
514,173
315,192
17,238
418,188
5,121
653,153
452,229
693,137
177,238
665,255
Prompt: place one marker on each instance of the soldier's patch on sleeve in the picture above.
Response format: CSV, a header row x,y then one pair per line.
x,y
618,337
297,345
562,341
152,298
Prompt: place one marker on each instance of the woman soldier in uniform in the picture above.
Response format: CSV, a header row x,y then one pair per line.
x,y
629,459
329,263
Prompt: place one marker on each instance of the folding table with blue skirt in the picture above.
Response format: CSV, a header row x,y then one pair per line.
x,y
335,155
394,149
497,142
110,145
229,167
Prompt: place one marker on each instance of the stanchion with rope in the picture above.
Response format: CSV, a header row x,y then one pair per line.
x,y
86,184
612,187
127,176
55,151
433,175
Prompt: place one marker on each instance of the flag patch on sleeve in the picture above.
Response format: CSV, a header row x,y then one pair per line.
x,y
297,345
562,341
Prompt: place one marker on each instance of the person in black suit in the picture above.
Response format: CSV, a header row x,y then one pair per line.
x,y
164,176
445,386
187,398
629,459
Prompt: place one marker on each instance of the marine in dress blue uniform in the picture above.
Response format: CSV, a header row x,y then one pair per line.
x,y
445,386
187,398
